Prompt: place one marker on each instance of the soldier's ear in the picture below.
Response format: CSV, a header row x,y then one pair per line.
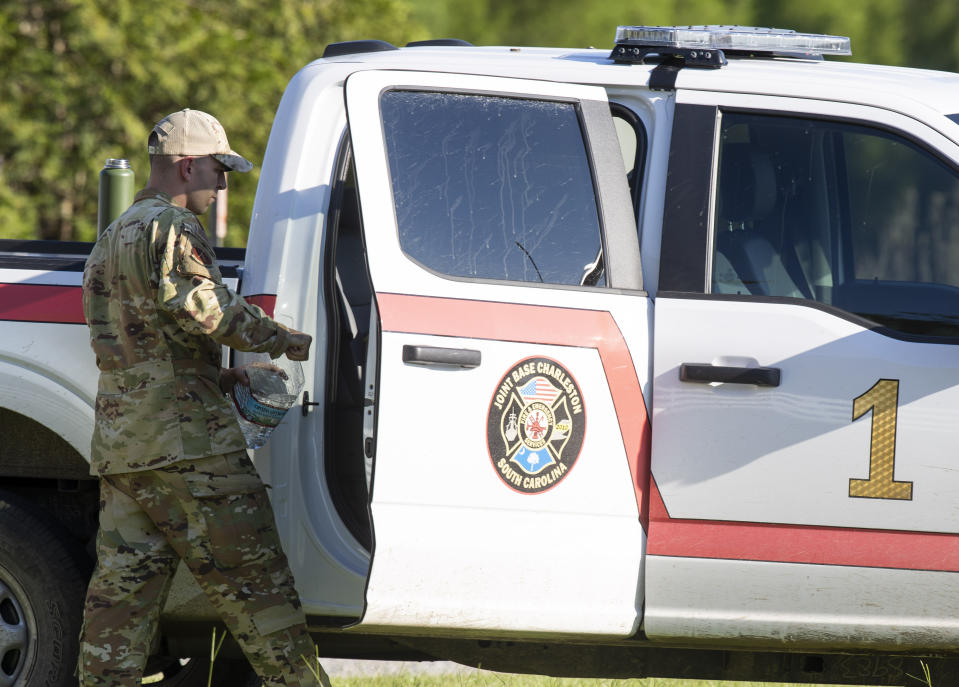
x,y
185,167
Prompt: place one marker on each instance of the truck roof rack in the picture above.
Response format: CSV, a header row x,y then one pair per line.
x,y
355,47
707,46
440,41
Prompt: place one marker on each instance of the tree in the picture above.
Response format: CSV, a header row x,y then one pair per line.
x,y
570,23
882,31
83,80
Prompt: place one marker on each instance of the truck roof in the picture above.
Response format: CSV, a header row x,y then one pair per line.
x,y
782,76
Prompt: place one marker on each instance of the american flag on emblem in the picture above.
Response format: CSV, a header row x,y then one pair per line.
x,y
538,389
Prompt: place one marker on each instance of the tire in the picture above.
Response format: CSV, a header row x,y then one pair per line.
x,y
41,600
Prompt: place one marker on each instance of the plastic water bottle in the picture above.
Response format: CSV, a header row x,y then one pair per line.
x,y
274,388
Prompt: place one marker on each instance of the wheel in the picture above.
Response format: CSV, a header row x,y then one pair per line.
x,y
195,672
41,600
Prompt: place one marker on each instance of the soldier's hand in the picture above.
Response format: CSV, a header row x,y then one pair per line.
x,y
266,366
299,348
231,377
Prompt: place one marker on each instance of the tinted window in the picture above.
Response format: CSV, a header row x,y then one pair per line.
x,y
492,187
844,214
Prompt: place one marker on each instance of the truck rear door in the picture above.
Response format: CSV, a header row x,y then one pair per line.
x,y
510,419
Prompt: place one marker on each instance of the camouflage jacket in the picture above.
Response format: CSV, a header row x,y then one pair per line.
x,y
158,312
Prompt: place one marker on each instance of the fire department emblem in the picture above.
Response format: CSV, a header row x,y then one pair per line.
x,y
536,425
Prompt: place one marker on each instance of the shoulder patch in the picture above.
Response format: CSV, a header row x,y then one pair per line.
x,y
202,256
196,254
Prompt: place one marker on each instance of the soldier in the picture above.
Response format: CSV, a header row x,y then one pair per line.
x,y
176,482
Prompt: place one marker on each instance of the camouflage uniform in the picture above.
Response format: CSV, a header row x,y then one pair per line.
x,y
176,482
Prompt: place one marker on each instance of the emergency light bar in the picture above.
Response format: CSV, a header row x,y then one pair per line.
x,y
704,45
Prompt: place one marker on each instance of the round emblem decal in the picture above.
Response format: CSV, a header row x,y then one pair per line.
x,y
536,425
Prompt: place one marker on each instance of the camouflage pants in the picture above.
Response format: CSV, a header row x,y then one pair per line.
x,y
215,515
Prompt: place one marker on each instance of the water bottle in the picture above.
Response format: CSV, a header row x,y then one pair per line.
x,y
274,388
116,191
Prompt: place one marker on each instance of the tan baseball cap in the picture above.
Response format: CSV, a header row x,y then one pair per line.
x,y
191,132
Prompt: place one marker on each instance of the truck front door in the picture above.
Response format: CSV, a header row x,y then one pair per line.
x,y
806,378
510,418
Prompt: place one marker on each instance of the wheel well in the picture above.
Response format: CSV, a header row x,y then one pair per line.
x,y
70,507
29,449
41,468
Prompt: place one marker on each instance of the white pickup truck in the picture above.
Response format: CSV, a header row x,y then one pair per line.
x,y
639,363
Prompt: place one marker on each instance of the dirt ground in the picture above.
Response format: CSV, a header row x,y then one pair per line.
x,y
341,667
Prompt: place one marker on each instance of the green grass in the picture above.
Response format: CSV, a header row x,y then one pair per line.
x,y
503,680
491,679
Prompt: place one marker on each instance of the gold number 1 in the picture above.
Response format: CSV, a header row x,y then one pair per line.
x,y
883,400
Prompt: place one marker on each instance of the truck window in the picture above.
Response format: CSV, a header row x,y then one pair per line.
x,y
847,215
493,187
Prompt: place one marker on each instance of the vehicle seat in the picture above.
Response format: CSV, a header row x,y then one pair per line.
x,y
353,288
747,200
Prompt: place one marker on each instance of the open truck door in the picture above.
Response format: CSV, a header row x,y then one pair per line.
x,y
510,451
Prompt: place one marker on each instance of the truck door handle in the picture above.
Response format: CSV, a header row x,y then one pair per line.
x,y
447,357
705,373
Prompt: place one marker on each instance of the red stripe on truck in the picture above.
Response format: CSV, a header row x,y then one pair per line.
x,y
761,541
266,302
41,303
537,324
64,304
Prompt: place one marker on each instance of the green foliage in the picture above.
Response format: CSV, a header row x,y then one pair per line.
x,y
926,678
571,23
84,80
875,26
882,31
214,652
503,680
